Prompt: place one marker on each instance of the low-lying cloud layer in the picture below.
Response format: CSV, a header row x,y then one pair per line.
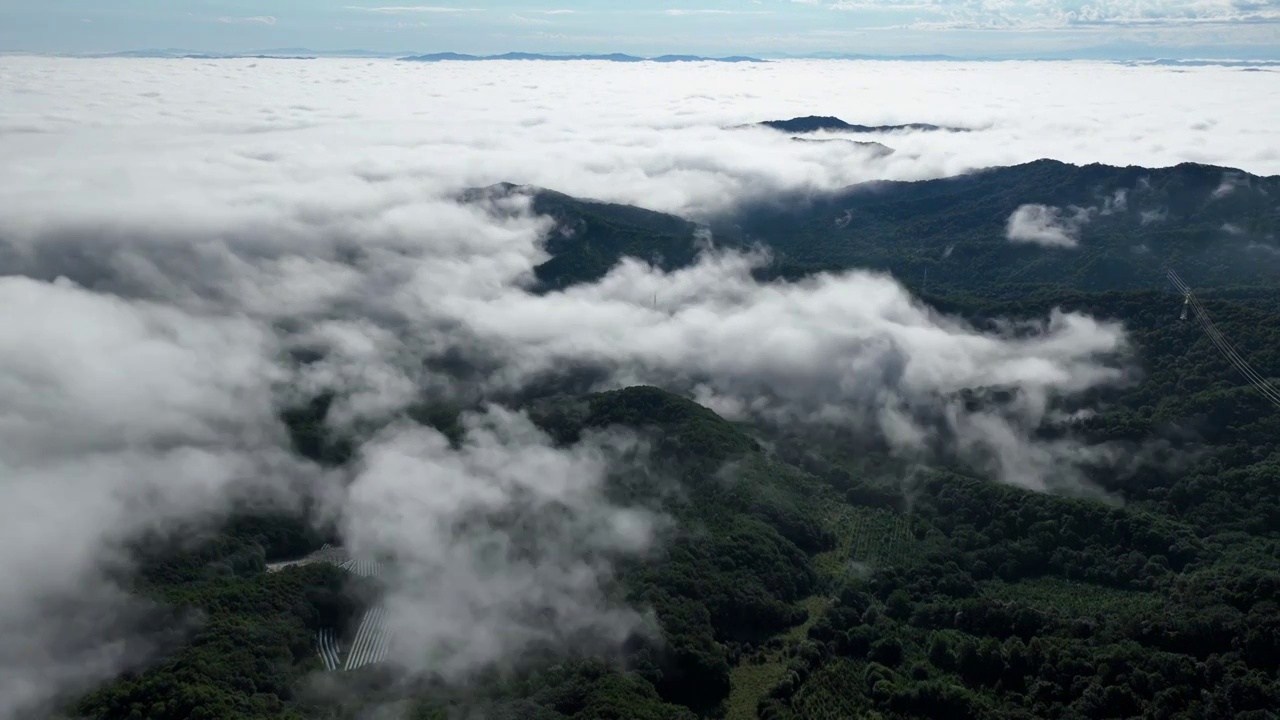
x,y
502,546
120,418
354,133
172,233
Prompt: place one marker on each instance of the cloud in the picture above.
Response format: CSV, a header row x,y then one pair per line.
x,y
121,418
580,131
528,20
1044,225
852,349
412,9
1062,14
883,5
1058,227
683,12
253,20
1270,250
1230,181
496,548
252,210
1153,216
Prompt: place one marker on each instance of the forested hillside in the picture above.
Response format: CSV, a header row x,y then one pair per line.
x,y
1217,224
815,575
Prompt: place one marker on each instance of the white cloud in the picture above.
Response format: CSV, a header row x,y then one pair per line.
x,y
1059,227
234,200
470,591
121,417
1044,225
1230,181
1061,14
571,127
515,17
412,9
682,12
1154,216
252,20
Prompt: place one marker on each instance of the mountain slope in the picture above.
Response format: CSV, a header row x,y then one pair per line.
x,y
1219,224
1220,227
590,237
806,576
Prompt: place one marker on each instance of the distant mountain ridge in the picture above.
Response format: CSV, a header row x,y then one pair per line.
x,y
1221,226
819,123
611,57
1125,56
951,234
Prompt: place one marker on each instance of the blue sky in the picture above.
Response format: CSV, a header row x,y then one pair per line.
x,y
1240,28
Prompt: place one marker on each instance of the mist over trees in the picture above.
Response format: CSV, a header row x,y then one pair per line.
x,y
694,422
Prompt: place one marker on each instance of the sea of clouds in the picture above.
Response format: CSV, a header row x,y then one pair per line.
x,y
172,230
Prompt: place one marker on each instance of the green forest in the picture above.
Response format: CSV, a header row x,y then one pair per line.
x,y
819,584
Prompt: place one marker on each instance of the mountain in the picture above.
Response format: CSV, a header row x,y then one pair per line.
x,y
803,569
814,123
1219,224
591,237
809,573
613,57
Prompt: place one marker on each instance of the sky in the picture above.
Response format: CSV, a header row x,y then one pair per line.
x,y
1117,29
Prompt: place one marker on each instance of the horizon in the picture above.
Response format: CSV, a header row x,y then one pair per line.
x,y
1133,55
1172,29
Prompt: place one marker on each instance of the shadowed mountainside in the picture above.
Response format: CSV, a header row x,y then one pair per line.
x,y
1220,226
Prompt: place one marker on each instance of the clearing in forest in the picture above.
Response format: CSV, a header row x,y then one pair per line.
x,y
1073,598
750,681
869,537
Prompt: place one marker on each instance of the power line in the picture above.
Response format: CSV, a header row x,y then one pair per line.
x,y
1224,346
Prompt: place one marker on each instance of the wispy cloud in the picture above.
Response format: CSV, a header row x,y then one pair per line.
x,y
893,5
678,12
1061,14
252,20
1044,225
525,19
412,9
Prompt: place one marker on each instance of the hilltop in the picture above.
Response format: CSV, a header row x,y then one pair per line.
x,y
814,123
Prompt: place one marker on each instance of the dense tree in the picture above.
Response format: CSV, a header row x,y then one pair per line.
x,y
801,552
